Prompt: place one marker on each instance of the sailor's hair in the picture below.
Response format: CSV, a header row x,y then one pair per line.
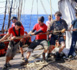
x,y
49,16
18,23
58,13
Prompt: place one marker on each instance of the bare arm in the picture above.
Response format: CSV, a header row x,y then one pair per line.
x,y
70,27
5,37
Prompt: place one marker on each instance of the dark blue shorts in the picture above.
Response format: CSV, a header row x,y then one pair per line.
x,y
54,38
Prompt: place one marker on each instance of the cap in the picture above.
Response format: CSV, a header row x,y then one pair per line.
x,y
41,19
14,18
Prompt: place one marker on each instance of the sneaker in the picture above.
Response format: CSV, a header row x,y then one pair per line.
x,y
57,56
24,63
22,57
43,56
70,56
6,66
49,55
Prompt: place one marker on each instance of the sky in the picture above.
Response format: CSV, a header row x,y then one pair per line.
x,y
43,6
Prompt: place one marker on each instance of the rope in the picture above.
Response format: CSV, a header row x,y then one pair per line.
x,y
49,4
35,35
51,8
31,14
16,7
18,10
21,8
43,7
25,36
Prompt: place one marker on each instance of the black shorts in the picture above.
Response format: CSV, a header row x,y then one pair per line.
x,y
54,38
34,44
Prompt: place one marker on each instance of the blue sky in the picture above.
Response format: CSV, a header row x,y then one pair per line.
x,y
27,5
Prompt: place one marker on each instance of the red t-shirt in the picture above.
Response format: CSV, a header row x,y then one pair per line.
x,y
13,25
11,31
37,27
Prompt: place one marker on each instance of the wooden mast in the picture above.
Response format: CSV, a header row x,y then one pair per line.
x,y
4,17
10,15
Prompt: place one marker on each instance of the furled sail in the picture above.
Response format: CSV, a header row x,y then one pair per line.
x,y
68,14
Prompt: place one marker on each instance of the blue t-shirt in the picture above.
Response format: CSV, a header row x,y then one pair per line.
x,y
74,23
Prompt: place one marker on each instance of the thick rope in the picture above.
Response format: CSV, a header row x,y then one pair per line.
x,y
38,34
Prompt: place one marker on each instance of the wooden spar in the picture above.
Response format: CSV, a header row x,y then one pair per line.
x,y
4,17
10,15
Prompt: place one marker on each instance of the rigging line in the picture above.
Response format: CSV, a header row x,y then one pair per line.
x,y
49,4
43,7
21,8
31,14
4,15
51,8
16,7
37,8
8,5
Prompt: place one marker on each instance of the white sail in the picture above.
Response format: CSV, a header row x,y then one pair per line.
x,y
68,14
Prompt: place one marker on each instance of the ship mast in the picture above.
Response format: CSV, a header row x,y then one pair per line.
x,y
10,15
4,17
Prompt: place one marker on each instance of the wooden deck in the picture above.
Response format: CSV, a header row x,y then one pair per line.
x,y
41,65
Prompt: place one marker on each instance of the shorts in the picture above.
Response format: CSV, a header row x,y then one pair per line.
x,y
54,38
12,48
34,44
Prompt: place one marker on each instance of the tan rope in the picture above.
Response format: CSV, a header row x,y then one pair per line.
x,y
35,35
51,8
49,5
